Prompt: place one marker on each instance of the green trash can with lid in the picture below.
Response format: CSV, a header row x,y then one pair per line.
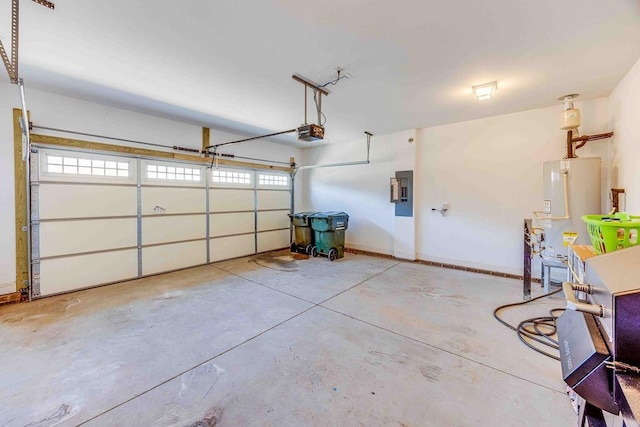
x,y
329,230
303,237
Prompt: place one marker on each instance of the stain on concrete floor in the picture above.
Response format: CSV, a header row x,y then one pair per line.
x,y
63,411
285,263
198,388
211,419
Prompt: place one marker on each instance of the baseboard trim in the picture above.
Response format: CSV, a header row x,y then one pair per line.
x,y
375,254
443,265
10,298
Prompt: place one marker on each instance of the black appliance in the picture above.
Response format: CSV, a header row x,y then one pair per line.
x,y
599,336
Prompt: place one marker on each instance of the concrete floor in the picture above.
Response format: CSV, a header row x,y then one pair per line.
x,y
269,340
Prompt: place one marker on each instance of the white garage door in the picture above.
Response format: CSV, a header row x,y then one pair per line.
x,y
100,218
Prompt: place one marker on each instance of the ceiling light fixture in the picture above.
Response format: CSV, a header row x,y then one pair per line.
x,y
485,91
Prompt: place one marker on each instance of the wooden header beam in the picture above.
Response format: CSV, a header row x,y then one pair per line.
x,y
76,143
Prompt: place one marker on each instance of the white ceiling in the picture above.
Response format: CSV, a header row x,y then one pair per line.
x,y
229,63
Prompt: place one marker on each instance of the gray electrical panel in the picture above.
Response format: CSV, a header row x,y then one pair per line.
x,y
404,201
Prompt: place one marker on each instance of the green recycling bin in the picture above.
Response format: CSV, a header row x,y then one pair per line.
x,y
303,237
328,229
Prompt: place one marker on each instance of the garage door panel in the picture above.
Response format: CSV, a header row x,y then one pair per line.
x,y
157,259
272,220
230,200
173,200
84,201
87,221
165,229
272,240
231,247
72,237
77,272
270,199
225,224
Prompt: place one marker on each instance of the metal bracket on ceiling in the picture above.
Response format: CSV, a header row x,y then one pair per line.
x,y
317,90
7,63
310,84
45,3
12,65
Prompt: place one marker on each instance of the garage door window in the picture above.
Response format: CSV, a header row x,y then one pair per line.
x,y
172,173
273,180
73,165
230,177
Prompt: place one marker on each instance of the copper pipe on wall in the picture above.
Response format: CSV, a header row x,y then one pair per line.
x,y
570,153
583,141
587,138
615,198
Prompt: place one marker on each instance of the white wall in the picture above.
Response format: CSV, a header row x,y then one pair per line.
x,y
362,190
624,106
488,170
52,110
490,173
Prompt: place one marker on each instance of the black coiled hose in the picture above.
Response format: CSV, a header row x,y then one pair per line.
x,y
538,329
